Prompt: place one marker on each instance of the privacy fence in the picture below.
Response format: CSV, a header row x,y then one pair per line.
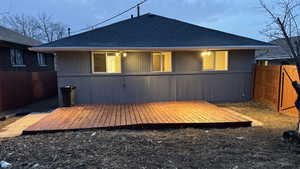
x,y
273,88
22,88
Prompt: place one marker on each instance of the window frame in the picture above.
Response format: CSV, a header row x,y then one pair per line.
x,y
161,62
104,52
214,61
14,60
38,55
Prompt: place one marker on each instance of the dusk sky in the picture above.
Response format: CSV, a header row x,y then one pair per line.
x,y
242,17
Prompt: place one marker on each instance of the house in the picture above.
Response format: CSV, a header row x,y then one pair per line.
x,y
15,56
153,58
279,55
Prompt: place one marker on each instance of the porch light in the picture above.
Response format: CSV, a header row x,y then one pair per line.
x,y
125,55
117,54
206,53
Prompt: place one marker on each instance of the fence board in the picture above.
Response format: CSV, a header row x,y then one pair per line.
x,y
288,95
22,88
273,88
266,90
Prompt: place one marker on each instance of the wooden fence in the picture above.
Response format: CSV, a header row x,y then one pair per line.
x,y
22,88
273,88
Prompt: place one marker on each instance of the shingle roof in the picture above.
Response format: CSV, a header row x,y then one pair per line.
x,y
280,52
11,36
152,31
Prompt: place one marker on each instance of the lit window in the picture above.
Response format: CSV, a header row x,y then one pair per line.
x,y
41,59
16,57
162,62
106,62
215,60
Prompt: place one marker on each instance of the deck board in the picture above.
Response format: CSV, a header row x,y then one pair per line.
x,y
142,115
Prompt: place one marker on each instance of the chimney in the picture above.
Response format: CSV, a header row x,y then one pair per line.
x,y
138,10
69,31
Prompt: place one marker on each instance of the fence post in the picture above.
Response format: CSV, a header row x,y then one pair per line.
x,y
280,89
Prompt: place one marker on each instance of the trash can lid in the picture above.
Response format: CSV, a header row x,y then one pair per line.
x,y
69,86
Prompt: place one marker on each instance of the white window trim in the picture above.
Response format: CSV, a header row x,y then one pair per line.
x,y
22,56
161,62
104,52
214,70
38,59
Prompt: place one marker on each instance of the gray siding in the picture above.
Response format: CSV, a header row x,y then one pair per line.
x,y
186,61
241,60
73,63
186,82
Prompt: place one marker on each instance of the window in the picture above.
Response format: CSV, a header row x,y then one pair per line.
x,y
16,57
215,60
162,62
106,62
41,59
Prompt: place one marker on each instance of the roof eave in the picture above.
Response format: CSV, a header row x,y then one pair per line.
x,y
57,49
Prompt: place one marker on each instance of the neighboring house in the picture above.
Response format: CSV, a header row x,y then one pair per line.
x,y
279,55
154,58
15,56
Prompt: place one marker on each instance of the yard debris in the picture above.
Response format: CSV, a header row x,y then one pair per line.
x,y
235,167
36,165
290,135
4,164
240,138
93,134
123,138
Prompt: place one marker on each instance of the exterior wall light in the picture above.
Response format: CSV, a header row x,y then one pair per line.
x,y
206,53
125,55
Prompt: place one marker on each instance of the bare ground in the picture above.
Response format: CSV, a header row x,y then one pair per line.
x,y
260,147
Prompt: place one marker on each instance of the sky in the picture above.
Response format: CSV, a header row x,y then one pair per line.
x,y
241,17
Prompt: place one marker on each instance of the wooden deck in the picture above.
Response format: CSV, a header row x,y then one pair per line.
x,y
159,114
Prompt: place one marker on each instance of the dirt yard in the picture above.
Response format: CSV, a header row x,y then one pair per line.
x,y
260,147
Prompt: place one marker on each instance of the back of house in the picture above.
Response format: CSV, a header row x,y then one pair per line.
x,y
153,58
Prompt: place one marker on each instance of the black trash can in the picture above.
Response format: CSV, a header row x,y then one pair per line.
x,y
68,95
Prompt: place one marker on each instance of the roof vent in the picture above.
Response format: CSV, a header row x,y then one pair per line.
x,y
151,15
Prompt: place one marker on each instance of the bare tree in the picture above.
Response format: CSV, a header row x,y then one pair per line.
x,y
51,30
41,27
284,24
26,25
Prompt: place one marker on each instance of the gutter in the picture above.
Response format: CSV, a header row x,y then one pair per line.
x,y
193,48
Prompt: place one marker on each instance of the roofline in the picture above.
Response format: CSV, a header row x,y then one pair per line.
x,y
273,58
16,43
55,49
